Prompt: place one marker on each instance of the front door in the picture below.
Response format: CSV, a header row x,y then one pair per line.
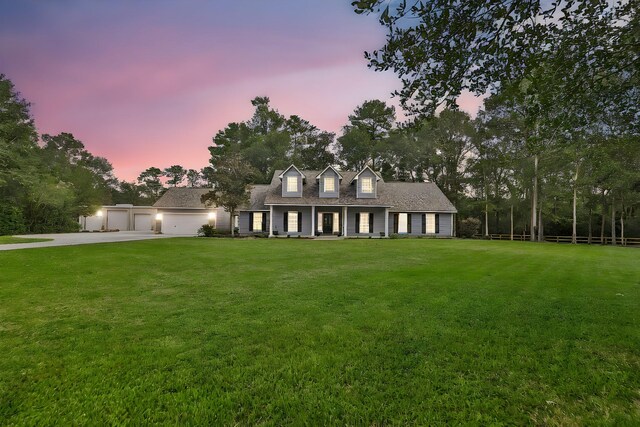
x,y
327,223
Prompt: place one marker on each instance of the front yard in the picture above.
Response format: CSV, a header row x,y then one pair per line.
x,y
287,331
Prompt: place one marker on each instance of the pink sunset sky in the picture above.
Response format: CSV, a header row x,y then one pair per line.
x,y
149,83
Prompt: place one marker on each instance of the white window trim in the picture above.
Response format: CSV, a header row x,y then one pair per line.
x,y
292,181
332,181
431,223
294,215
368,180
403,223
364,222
257,221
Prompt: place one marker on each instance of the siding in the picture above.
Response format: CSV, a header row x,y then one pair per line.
x,y
278,221
325,194
367,174
243,223
416,224
378,221
285,193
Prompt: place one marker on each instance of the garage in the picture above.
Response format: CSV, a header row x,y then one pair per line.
x,y
142,222
183,223
117,220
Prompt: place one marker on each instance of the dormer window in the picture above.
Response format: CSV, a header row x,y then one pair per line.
x,y
329,184
367,185
292,184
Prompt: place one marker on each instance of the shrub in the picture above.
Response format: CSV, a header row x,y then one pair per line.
x,y
469,227
11,220
210,231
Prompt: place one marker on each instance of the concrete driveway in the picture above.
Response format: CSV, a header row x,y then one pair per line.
x,y
66,239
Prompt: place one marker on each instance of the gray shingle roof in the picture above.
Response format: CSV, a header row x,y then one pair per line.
x,y
399,196
181,197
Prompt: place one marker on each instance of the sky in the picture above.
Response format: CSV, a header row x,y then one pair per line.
x,y
149,83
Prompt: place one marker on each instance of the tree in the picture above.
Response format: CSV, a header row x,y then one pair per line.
x,y
150,181
193,178
364,139
231,181
176,174
207,173
440,48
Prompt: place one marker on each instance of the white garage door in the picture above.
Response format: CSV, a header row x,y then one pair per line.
x,y
183,223
142,222
118,220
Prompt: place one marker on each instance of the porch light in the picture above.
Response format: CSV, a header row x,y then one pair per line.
x,y
212,215
159,217
99,213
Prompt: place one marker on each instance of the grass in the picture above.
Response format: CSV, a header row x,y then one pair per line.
x,y
8,240
290,332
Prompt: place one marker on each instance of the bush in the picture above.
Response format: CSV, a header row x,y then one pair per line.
x,y
11,220
469,227
210,231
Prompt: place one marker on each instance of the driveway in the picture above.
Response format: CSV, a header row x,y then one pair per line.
x,y
66,239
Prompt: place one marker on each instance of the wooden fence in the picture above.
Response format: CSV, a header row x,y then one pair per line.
x,y
628,241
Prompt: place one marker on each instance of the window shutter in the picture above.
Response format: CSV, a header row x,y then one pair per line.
x,y
264,221
409,223
286,221
357,223
395,223
371,222
424,223
437,223
250,221
299,222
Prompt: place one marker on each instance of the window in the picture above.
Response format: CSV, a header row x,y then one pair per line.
x,y
292,221
257,221
367,185
329,184
364,222
431,223
403,223
292,184
236,221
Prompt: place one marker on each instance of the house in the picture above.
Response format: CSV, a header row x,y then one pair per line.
x,y
299,203
351,204
178,211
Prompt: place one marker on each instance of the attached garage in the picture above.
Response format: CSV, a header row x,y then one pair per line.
x,y
142,222
117,220
183,223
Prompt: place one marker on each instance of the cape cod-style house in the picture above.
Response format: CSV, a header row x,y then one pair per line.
x,y
298,203
351,204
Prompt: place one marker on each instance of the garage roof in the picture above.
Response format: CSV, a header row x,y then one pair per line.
x,y
182,197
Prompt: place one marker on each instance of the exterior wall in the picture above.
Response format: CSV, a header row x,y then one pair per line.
x,y
331,194
244,223
369,174
444,221
223,219
328,209
97,223
378,221
278,220
285,193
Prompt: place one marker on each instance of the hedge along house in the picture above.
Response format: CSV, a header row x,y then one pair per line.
x,y
179,211
350,204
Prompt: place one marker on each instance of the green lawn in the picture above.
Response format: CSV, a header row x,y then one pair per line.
x,y
7,240
288,331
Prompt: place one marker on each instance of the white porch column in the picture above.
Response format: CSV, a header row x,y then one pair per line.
x,y
271,221
313,221
344,221
386,222
453,234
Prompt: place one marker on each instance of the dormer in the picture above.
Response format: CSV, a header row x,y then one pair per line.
x,y
329,183
366,182
292,182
